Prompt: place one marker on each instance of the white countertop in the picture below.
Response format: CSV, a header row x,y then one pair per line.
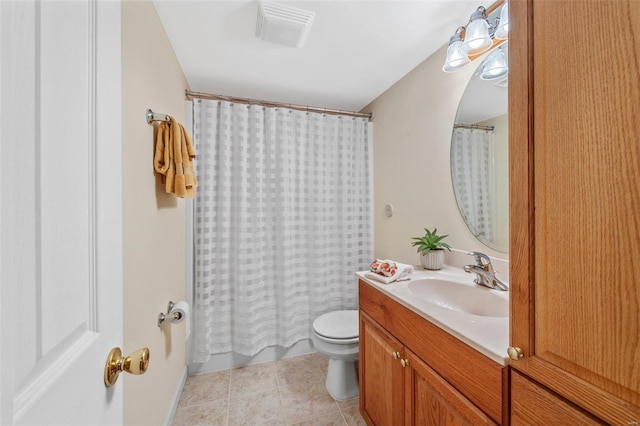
x,y
488,335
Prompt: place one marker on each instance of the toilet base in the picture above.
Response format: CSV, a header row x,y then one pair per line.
x,y
342,379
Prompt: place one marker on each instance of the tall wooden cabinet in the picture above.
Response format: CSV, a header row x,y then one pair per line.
x,y
574,144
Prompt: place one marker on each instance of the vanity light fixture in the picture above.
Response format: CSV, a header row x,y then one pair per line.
x,y
494,66
481,33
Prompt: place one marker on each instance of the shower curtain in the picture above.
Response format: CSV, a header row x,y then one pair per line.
x,y
474,180
282,221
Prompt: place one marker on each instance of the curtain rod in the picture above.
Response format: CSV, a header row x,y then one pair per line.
x,y
200,95
474,126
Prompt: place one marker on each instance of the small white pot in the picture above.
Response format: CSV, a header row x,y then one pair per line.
x,y
432,260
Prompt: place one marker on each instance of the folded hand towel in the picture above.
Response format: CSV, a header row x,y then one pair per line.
x,y
388,271
173,159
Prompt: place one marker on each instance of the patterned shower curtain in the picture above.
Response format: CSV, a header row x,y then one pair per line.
x,y
283,219
474,180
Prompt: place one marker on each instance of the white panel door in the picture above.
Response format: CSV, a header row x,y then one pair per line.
x,y
60,215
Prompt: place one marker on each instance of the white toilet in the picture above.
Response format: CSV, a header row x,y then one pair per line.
x,y
335,334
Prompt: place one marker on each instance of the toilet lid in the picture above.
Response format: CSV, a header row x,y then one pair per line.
x,y
337,324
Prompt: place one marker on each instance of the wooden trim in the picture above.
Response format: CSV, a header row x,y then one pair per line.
x,y
361,376
410,398
521,223
494,6
506,399
471,373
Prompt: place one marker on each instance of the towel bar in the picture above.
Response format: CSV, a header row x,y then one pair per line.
x,y
154,116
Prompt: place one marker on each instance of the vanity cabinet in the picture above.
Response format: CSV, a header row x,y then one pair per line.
x,y
414,373
574,198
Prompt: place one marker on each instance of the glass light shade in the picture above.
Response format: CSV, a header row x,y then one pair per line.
x,y
495,66
502,32
456,58
477,39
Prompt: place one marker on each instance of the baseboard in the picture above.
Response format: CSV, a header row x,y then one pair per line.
x,y
176,398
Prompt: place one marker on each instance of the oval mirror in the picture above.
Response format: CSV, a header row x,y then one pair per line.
x,y
479,156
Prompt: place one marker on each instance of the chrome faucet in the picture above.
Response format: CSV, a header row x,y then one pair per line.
x,y
485,275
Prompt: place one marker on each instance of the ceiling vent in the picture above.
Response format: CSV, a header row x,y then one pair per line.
x,y
282,24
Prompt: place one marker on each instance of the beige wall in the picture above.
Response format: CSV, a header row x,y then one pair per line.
x,y
153,222
412,138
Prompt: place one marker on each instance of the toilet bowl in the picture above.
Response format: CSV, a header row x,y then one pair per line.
x,y
335,334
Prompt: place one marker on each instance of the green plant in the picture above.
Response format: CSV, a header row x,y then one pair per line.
x,y
430,241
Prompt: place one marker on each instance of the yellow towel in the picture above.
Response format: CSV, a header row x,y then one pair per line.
x,y
173,159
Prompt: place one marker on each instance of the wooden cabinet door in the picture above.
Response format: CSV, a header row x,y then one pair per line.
x,y
574,152
534,405
431,401
381,375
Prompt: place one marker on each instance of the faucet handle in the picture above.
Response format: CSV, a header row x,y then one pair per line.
x,y
481,258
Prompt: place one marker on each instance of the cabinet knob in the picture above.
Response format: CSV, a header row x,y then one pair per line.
x,y
395,355
404,362
514,352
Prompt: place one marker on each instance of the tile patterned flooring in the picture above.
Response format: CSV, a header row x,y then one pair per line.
x,y
286,392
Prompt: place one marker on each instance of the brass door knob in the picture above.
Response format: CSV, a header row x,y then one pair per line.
x,y
514,352
395,355
404,362
136,363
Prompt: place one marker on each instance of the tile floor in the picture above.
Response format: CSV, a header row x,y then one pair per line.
x,y
285,392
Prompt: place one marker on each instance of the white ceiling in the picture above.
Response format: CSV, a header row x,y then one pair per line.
x,y
355,50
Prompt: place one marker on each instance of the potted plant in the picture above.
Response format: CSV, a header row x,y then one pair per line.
x,y
431,249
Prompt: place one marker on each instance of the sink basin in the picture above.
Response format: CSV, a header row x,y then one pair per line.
x,y
470,299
